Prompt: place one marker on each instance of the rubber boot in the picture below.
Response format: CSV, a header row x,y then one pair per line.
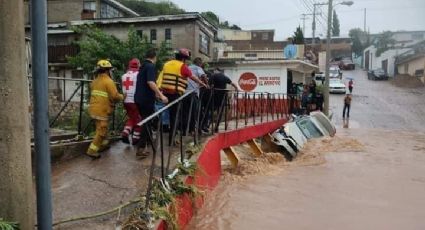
x,y
93,151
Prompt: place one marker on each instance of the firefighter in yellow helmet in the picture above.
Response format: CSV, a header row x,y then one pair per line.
x,y
104,94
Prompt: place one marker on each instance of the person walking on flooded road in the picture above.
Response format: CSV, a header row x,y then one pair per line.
x,y
347,105
350,86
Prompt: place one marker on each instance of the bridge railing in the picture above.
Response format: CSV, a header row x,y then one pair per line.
x,y
213,109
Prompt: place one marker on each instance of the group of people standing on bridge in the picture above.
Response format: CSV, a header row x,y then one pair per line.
x,y
143,89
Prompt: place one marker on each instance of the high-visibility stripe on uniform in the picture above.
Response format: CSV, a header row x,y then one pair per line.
x,y
99,93
174,82
171,79
93,147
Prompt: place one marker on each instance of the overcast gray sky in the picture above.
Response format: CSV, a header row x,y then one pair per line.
x,y
285,15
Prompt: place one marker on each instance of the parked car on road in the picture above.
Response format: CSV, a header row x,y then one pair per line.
x,y
347,64
336,86
319,78
377,74
335,72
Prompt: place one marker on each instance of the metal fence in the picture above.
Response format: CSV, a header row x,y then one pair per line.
x,y
213,109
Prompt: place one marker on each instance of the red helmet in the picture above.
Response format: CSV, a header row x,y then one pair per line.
x,y
134,64
183,53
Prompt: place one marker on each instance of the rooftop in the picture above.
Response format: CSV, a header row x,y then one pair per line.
x,y
131,20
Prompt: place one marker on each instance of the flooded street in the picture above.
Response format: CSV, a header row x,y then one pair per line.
x,y
370,176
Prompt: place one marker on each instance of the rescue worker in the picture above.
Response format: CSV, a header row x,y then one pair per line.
x,y
104,94
173,82
129,81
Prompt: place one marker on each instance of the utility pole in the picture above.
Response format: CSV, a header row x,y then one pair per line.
x,y
16,187
314,20
328,55
364,26
41,119
304,17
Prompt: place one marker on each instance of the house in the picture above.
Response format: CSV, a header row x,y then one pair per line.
x,y
67,10
412,62
404,41
188,30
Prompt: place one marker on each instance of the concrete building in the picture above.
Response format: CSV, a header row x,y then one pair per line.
x,y
412,62
250,39
189,30
68,10
405,41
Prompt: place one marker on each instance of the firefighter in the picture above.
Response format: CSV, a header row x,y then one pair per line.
x,y
104,94
173,82
129,82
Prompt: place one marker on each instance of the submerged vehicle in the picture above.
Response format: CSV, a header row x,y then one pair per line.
x,y
294,135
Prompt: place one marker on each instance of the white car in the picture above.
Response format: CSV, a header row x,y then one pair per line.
x,y
336,86
335,72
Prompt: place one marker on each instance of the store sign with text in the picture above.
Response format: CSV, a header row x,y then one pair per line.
x,y
248,81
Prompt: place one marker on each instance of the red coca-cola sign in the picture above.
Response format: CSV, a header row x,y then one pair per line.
x,y
248,82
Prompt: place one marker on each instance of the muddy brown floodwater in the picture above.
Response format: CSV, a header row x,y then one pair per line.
x,y
370,176
357,180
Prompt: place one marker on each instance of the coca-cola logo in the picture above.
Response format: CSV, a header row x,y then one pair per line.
x,y
248,81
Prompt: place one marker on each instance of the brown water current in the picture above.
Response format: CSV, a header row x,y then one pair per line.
x,y
360,179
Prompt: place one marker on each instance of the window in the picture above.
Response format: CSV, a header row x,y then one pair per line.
x,y
153,36
265,36
108,11
140,33
204,43
168,38
251,55
167,34
89,5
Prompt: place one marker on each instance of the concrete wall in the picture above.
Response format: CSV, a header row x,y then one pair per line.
x,y
227,34
262,72
409,36
184,34
60,10
376,62
411,66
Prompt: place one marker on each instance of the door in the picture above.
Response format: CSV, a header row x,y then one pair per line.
x,y
366,60
385,66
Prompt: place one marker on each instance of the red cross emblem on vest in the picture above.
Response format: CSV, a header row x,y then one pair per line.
x,y
128,83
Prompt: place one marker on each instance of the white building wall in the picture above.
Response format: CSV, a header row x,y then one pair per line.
x,y
264,74
228,34
390,55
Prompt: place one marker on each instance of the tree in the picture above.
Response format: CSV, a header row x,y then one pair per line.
x,y
146,8
357,35
384,42
99,45
335,25
215,20
298,37
211,17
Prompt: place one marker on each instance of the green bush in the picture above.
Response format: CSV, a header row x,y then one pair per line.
x,y
5,225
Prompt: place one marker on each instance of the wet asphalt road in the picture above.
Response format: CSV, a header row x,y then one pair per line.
x,y
381,185
380,104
